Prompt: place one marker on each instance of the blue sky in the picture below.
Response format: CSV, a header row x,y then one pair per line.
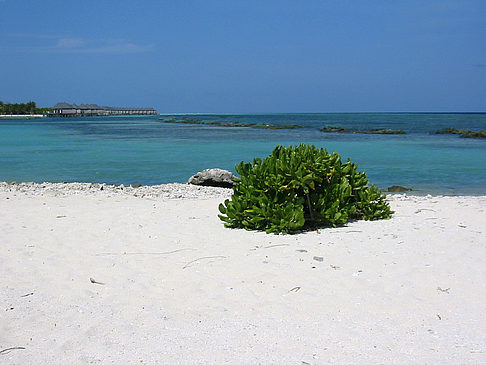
x,y
246,56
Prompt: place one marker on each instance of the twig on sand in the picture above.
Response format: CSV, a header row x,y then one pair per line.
x,y
141,253
443,290
95,282
203,258
7,350
26,295
277,245
296,289
339,231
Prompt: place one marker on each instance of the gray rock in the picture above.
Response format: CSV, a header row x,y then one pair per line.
x,y
397,189
213,177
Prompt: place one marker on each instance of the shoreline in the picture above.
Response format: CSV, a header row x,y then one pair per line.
x,y
21,116
166,190
170,191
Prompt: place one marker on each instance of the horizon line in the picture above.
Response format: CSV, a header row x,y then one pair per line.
x,y
333,112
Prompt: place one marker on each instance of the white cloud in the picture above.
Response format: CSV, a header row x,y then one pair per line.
x,y
121,47
67,44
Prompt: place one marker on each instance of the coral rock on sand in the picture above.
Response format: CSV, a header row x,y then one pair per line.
x,y
213,177
169,191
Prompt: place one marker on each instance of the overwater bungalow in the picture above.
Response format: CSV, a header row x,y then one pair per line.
x,y
85,110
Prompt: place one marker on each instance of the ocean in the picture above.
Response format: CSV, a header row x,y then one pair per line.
x,y
147,150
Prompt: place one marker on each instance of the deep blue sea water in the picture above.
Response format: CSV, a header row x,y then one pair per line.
x,y
145,150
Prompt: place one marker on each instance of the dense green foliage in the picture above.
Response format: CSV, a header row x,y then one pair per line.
x,y
301,187
22,108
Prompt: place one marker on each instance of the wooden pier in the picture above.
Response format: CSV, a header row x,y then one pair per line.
x,y
89,110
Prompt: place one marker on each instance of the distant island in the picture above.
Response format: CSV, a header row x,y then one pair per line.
x,y
31,110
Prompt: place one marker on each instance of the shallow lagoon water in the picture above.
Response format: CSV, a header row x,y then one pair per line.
x,y
145,150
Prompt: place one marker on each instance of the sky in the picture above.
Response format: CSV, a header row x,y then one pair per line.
x,y
232,56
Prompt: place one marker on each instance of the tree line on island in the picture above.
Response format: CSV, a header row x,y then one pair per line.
x,y
22,108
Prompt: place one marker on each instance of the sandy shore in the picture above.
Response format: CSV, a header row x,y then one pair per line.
x,y
21,116
149,275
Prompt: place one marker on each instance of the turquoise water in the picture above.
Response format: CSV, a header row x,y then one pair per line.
x,y
145,150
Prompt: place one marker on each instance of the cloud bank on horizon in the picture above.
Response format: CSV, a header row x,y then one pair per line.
x,y
251,56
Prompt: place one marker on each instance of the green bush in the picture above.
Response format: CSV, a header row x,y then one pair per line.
x,y
298,188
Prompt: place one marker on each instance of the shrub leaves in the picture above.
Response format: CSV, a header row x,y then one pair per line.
x,y
301,187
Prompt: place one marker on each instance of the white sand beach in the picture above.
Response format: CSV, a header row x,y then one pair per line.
x,y
151,276
21,116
